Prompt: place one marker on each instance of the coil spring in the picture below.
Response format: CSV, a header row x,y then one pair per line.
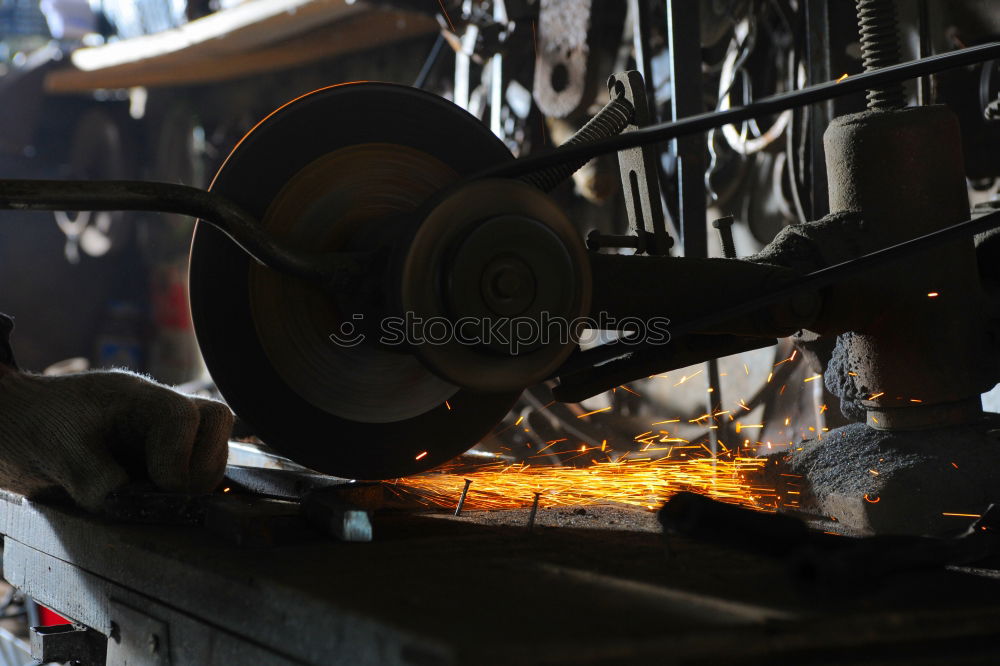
x,y
880,48
610,121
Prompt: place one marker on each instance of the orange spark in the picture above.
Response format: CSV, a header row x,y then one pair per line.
x,y
420,455
685,378
448,18
596,411
637,482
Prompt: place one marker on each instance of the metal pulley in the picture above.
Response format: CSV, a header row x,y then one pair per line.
x,y
500,263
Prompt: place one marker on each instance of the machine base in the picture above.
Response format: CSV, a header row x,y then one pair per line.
x,y
868,481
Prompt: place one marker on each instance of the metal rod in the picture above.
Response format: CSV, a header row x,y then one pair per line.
x,y
642,45
432,59
330,270
534,512
767,106
684,33
817,13
461,500
924,96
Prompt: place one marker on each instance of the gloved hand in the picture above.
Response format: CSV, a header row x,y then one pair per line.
x,y
91,433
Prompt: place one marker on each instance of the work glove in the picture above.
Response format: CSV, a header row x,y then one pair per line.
x,y
91,433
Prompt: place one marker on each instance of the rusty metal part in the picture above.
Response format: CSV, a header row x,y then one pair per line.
x,y
497,253
561,60
227,322
640,172
918,329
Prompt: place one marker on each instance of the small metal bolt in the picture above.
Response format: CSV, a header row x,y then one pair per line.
x,y
116,633
725,227
534,512
153,643
461,500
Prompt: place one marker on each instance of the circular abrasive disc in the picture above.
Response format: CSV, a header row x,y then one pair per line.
x,y
315,172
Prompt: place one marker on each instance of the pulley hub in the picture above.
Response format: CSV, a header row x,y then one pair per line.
x,y
510,275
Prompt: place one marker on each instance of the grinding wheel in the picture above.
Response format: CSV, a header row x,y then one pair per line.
x,y
318,171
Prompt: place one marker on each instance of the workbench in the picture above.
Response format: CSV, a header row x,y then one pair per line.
x,y
595,585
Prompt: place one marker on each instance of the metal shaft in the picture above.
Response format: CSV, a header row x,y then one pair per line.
x,y
769,105
620,363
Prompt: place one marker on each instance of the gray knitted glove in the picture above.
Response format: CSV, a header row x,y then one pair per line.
x,y
90,433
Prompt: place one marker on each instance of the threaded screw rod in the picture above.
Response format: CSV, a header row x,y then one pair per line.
x,y
880,48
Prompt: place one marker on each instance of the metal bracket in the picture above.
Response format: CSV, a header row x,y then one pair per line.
x,y
640,184
68,643
136,639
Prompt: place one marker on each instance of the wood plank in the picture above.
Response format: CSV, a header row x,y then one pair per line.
x,y
249,51
249,25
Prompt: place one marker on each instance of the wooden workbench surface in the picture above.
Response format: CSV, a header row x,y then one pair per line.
x,y
592,586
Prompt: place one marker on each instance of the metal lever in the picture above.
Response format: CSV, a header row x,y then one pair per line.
x,y
638,169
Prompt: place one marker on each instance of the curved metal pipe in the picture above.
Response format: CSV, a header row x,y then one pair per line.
x,y
330,270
